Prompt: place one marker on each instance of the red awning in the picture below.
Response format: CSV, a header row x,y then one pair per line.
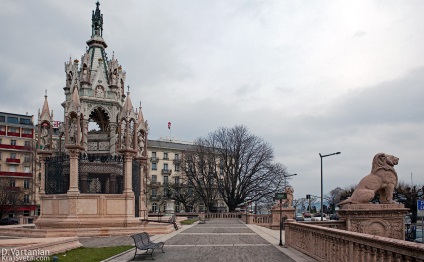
x,y
19,208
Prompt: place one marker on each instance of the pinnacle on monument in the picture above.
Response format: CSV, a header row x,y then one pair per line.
x,y
45,111
97,21
75,98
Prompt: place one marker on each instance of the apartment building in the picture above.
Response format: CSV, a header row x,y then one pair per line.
x,y
165,168
17,165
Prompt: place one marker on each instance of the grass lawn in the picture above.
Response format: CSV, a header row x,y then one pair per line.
x,y
188,221
90,254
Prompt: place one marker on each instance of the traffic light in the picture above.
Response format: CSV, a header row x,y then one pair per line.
x,y
308,196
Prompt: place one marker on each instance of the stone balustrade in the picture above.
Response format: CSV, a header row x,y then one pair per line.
x,y
329,244
223,215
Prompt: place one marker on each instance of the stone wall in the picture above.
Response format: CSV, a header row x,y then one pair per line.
x,y
329,244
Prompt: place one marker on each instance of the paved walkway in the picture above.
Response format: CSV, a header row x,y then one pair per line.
x,y
217,240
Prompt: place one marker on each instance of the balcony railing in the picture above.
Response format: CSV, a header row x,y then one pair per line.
x,y
13,134
15,147
20,174
13,160
166,171
154,183
155,197
154,159
177,161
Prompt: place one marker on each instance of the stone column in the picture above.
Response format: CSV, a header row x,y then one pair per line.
x,y
73,170
142,202
112,142
85,136
128,173
42,175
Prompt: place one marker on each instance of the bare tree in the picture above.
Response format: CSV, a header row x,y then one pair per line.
x,y
182,192
10,196
200,169
236,164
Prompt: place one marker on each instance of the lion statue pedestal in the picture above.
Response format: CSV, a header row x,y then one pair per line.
x,y
385,219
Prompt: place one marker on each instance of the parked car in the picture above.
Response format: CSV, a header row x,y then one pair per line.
x,y
307,217
317,217
9,221
418,236
299,217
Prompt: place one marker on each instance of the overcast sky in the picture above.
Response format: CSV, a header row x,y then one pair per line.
x,y
308,77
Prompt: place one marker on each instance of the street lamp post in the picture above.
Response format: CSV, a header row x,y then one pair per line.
x,y
322,188
281,196
285,180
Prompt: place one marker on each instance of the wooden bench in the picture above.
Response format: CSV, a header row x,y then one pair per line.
x,y
142,241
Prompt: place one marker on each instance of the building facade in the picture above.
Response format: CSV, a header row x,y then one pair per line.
x,y
17,167
165,173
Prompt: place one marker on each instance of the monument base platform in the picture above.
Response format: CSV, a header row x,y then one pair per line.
x,y
386,220
31,231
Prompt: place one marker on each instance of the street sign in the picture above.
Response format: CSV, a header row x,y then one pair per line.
x,y
420,208
279,196
420,205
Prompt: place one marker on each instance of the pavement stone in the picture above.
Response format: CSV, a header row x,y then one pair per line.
x,y
219,240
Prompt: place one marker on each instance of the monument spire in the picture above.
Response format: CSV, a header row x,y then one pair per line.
x,y
97,22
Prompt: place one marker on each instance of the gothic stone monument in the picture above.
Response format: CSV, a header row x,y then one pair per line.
x,y
385,219
95,180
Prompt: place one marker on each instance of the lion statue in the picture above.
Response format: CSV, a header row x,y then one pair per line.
x,y
382,179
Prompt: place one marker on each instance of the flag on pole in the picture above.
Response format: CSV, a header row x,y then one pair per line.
x,y
169,125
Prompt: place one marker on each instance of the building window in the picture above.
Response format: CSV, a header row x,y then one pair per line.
x,y
12,183
12,120
154,207
12,168
26,198
26,213
165,180
2,128
166,192
165,156
13,142
165,167
154,192
27,159
177,157
13,155
2,119
177,206
153,154
0,155
27,131
177,180
154,178
26,184
154,167
177,167
24,121
27,143
27,169
13,129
